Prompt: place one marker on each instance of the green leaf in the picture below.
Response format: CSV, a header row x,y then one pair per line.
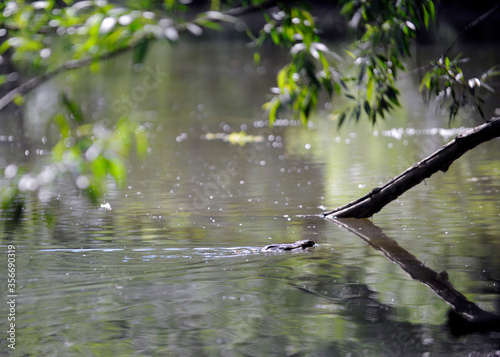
x,y
256,57
212,25
215,6
369,88
275,37
303,115
141,51
337,87
392,94
141,142
362,72
73,108
12,204
426,17
282,74
63,124
357,112
98,167
367,108
426,82
480,110
347,8
273,107
4,47
94,193
95,66
432,10
117,170
327,84
18,100
341,119
350,54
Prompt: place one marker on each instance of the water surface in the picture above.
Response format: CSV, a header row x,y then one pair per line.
x,y
170,266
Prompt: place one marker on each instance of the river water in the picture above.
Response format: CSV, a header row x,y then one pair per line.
x,y
170,265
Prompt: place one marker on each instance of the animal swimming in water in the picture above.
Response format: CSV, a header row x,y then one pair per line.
x,y
299,245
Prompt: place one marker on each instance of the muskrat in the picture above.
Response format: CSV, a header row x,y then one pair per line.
x,y
301,244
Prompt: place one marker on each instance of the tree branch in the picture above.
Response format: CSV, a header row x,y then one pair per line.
x,y
243,10
34,82
441,160
466,29
471,26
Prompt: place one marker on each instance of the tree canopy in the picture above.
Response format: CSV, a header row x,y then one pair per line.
x,y
381,36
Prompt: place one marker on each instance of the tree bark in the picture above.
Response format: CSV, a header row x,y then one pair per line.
x,y
441,160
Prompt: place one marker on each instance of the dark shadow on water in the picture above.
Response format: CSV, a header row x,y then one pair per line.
x,y
464,317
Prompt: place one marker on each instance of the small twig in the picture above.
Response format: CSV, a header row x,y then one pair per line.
x,y
470,27
446,52
243,10
34,82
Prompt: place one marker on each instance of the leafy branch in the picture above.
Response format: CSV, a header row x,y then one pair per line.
x,y
447,83
309,70
384,32
97,31
89,153
92,31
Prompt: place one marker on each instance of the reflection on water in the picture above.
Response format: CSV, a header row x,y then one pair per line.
x,y
170,266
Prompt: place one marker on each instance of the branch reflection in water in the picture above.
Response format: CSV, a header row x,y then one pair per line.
x,y
465,316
